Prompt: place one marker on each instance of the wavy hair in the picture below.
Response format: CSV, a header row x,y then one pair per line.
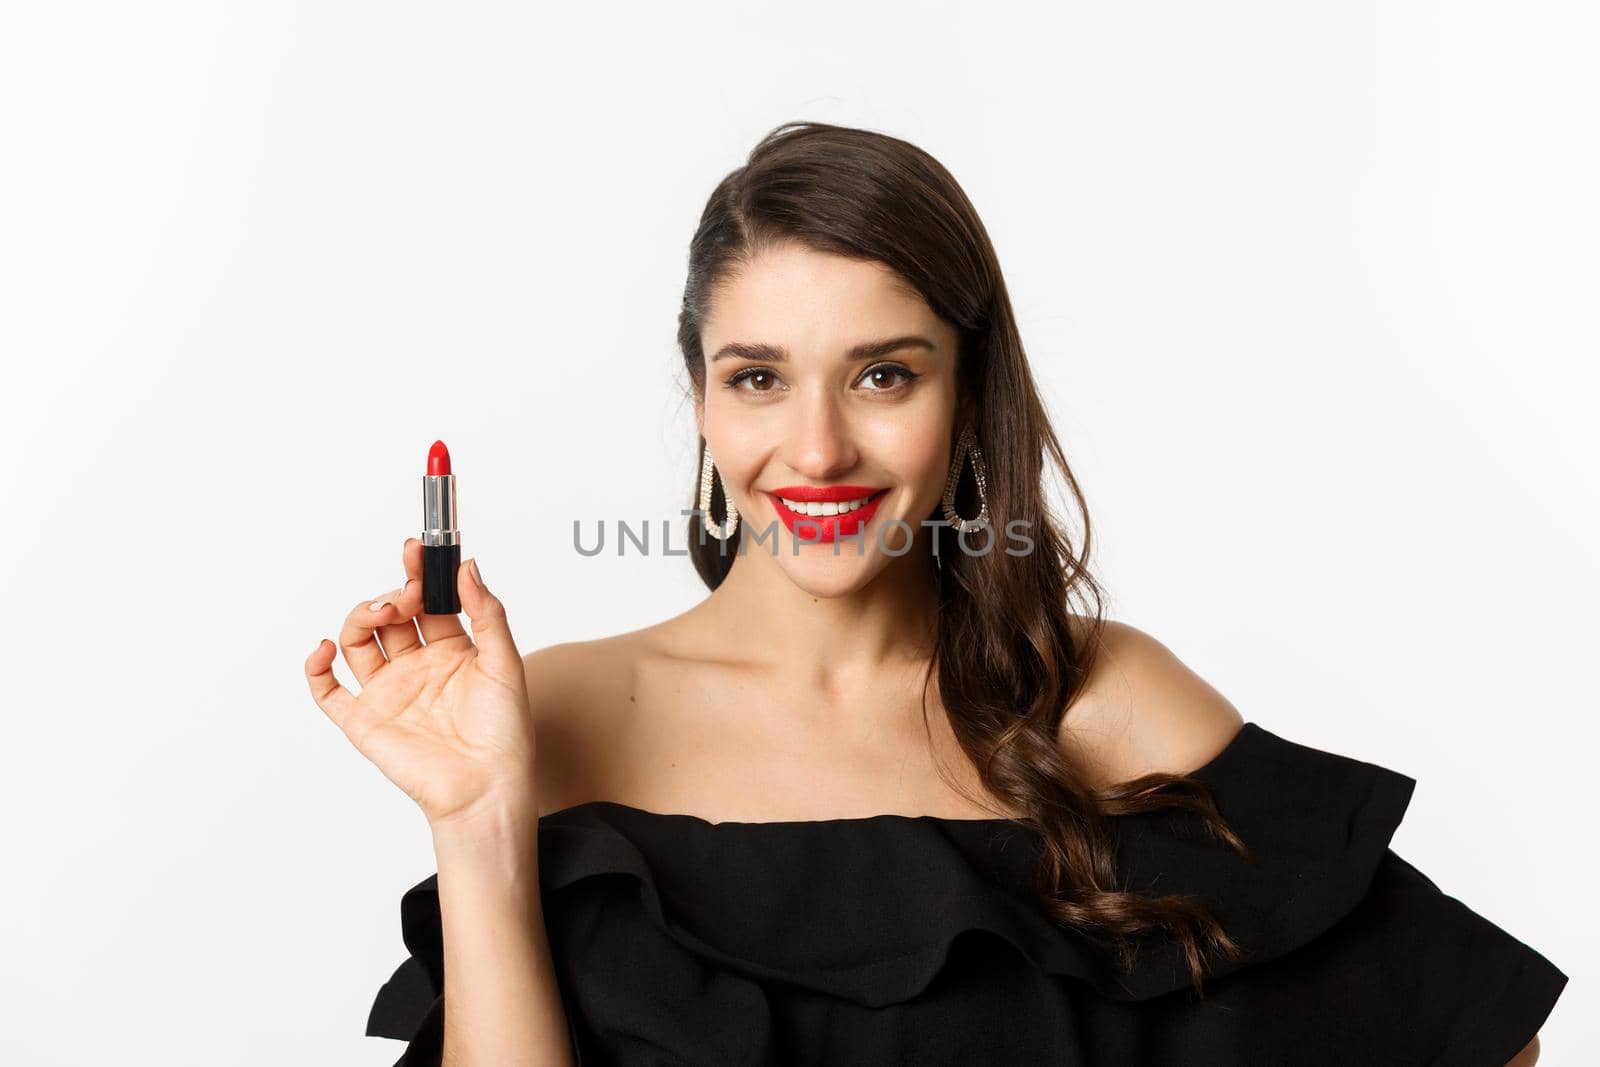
x,y
1010,664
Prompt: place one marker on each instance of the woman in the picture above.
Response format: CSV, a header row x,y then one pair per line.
x,y
885,795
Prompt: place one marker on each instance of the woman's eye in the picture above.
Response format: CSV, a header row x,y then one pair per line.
x,y
882,378
886,378
761,376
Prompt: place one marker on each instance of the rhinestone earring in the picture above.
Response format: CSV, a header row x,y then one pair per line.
x,y
967,445
730,521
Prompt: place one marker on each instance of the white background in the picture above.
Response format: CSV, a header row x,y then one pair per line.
x,y
1310,289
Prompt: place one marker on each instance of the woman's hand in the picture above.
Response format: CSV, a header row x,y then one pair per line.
x,y
444,718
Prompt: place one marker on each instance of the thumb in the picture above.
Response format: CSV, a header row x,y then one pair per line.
x,y
497,652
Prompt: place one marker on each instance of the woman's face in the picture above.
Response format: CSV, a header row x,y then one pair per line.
x,y
801,393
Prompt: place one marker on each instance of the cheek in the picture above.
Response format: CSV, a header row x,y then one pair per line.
x,y
915,453
738,447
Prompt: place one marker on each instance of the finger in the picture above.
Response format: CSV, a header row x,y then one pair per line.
x,y
497,652
358,640
398,636
334,699
434,627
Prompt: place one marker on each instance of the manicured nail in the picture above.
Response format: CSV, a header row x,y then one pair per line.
x,y
378,605
404,589
476,577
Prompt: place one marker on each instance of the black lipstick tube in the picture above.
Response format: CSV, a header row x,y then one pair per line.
x,y
441,546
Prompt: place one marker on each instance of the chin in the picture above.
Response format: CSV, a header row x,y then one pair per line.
x,y
826,576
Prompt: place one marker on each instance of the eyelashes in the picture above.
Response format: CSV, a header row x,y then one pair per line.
x,y
909,376
736,381
745,375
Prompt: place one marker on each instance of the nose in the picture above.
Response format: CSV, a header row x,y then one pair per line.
x,y
818,443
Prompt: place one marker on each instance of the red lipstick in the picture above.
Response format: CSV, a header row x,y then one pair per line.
x,y
441,541
823,529
438,460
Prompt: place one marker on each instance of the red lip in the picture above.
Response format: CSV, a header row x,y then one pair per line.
x,y
824,529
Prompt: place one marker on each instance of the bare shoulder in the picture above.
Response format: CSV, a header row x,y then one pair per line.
x,y
575,688
1143,710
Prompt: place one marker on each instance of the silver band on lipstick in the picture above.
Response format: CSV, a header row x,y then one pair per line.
x,y
439,510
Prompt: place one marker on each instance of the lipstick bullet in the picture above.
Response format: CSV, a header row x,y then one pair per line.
x,y
441,541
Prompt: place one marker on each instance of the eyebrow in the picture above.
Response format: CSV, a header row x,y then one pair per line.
x,y
778,354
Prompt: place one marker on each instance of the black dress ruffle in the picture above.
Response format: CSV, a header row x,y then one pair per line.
x,y
891,939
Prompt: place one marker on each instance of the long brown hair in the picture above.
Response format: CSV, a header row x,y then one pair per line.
x,y
1009,661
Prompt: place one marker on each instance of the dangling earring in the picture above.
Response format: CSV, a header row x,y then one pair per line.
x,y
967,445
730,521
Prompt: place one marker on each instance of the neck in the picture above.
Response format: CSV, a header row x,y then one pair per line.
x,y
830,643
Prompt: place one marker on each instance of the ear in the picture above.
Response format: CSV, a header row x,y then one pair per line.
x,y
700,415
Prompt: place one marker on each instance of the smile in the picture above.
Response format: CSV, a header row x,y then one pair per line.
x,y
824,507
821,514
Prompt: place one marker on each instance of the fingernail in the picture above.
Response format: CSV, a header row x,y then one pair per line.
x,y
476,577
378,605
404,589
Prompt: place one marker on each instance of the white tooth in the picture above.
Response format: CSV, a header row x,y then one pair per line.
x,y
819,509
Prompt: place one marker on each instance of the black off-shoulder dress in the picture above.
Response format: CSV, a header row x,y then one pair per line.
x,y
893,939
